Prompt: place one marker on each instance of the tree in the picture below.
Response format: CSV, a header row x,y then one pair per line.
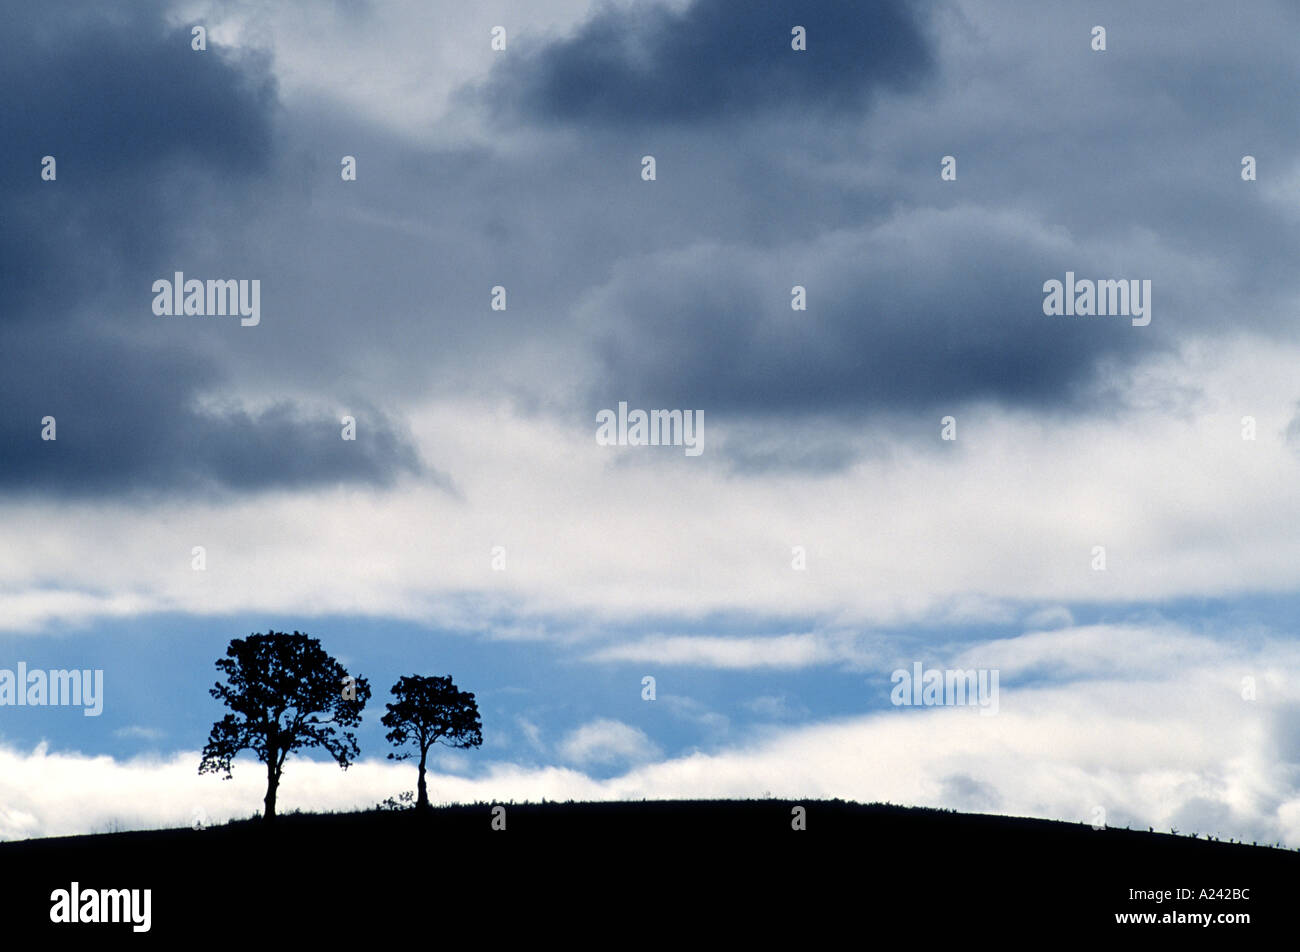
x,y
286,693
428,710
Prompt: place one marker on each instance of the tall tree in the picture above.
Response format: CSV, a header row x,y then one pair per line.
x,y
285,693
430,710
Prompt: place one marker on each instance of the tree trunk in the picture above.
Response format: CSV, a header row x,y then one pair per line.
x,y
422,791
272,782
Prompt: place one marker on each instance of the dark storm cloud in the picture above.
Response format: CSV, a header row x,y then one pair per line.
x,y
159,148
921,314
715,60
113,95
940,307
123,105
127,422
671,293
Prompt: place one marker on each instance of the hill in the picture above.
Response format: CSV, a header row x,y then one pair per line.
x,y
656,871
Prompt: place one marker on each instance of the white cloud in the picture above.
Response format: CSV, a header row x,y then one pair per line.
x,y
606,741
531,732
139,732
1092,651
1010,516
779,651
1056,616
63,793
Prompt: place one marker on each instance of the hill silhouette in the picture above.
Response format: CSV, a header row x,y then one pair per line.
x,y
679,872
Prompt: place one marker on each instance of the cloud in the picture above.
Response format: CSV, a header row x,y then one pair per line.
x,y
711,724
715,60
128,421
776,707
169,147
965,325
1089,652
1055,616
156,125
36,608
736,653
136,731
969,795
1293,431
606,741
982,530
532,733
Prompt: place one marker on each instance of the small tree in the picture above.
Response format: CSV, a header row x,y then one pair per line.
x,y
286,693
428,710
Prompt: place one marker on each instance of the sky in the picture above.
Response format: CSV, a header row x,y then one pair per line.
x,y
919,466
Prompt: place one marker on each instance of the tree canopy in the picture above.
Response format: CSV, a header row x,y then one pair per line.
x,y
285,693
430,710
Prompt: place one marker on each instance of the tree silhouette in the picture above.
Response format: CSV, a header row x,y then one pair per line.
x,y
428,710
286,693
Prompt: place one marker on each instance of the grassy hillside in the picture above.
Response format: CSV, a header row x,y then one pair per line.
x,y
662,870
